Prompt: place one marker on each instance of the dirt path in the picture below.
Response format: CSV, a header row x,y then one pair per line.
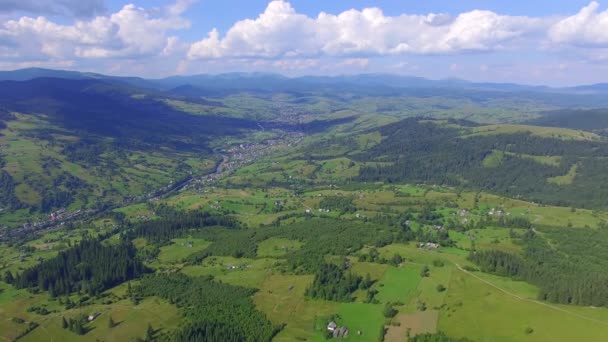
x,y
556,308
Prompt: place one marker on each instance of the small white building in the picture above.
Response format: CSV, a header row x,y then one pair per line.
x,y
332,326
93,316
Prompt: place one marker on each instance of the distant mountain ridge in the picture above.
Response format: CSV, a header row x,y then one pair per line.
x,y
273,81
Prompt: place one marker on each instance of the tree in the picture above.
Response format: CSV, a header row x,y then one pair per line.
x,y
111,323
366,283
389,311
78,328
64,323
440,288
8,277
397,259
425,272
149,333
134,299
438,263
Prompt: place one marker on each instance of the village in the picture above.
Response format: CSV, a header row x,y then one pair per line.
x,y
233,158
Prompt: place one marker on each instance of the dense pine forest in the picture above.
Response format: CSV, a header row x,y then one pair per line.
x,y
334,283
213,311
90,267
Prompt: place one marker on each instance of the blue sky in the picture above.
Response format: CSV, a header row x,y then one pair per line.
x,y
535,42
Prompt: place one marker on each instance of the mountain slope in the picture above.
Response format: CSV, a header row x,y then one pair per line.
x,y
83,143
559,167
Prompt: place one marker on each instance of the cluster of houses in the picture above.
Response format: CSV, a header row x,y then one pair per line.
x,y
235,267
429,245
341,332
321,210
463,213
497,212
55,219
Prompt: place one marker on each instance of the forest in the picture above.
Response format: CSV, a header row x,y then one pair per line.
x,y
213,311
332,282
425,151
173,223
90,267
571,269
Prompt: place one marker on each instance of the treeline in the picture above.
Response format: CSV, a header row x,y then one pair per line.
x,y
570,270
218,311
332,282
8,199
343,204
436,337
587,119
323,237
174,223
320,237
422,151
89,267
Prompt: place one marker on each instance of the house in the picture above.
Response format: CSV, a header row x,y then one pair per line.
x,y
332,326
93,316
463,213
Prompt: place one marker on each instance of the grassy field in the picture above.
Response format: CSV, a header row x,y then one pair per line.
x,y
364,318
131,322
181,248
398,284
281,298
277,247
242,271
568,178
484,312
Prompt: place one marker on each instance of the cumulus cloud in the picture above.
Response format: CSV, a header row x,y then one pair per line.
x,y
76,8
282,32
587,28
130,32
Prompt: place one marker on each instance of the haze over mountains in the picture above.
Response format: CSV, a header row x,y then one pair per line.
x,y
268,81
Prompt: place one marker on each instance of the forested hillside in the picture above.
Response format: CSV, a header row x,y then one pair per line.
x,y
520,163
595,120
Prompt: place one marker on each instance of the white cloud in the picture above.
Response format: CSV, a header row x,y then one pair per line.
x,y
587,28
282,32
360,62
130,32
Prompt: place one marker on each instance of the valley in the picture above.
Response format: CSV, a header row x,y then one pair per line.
x,y
239,212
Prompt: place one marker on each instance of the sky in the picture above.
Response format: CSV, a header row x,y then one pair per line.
x,y
551,42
